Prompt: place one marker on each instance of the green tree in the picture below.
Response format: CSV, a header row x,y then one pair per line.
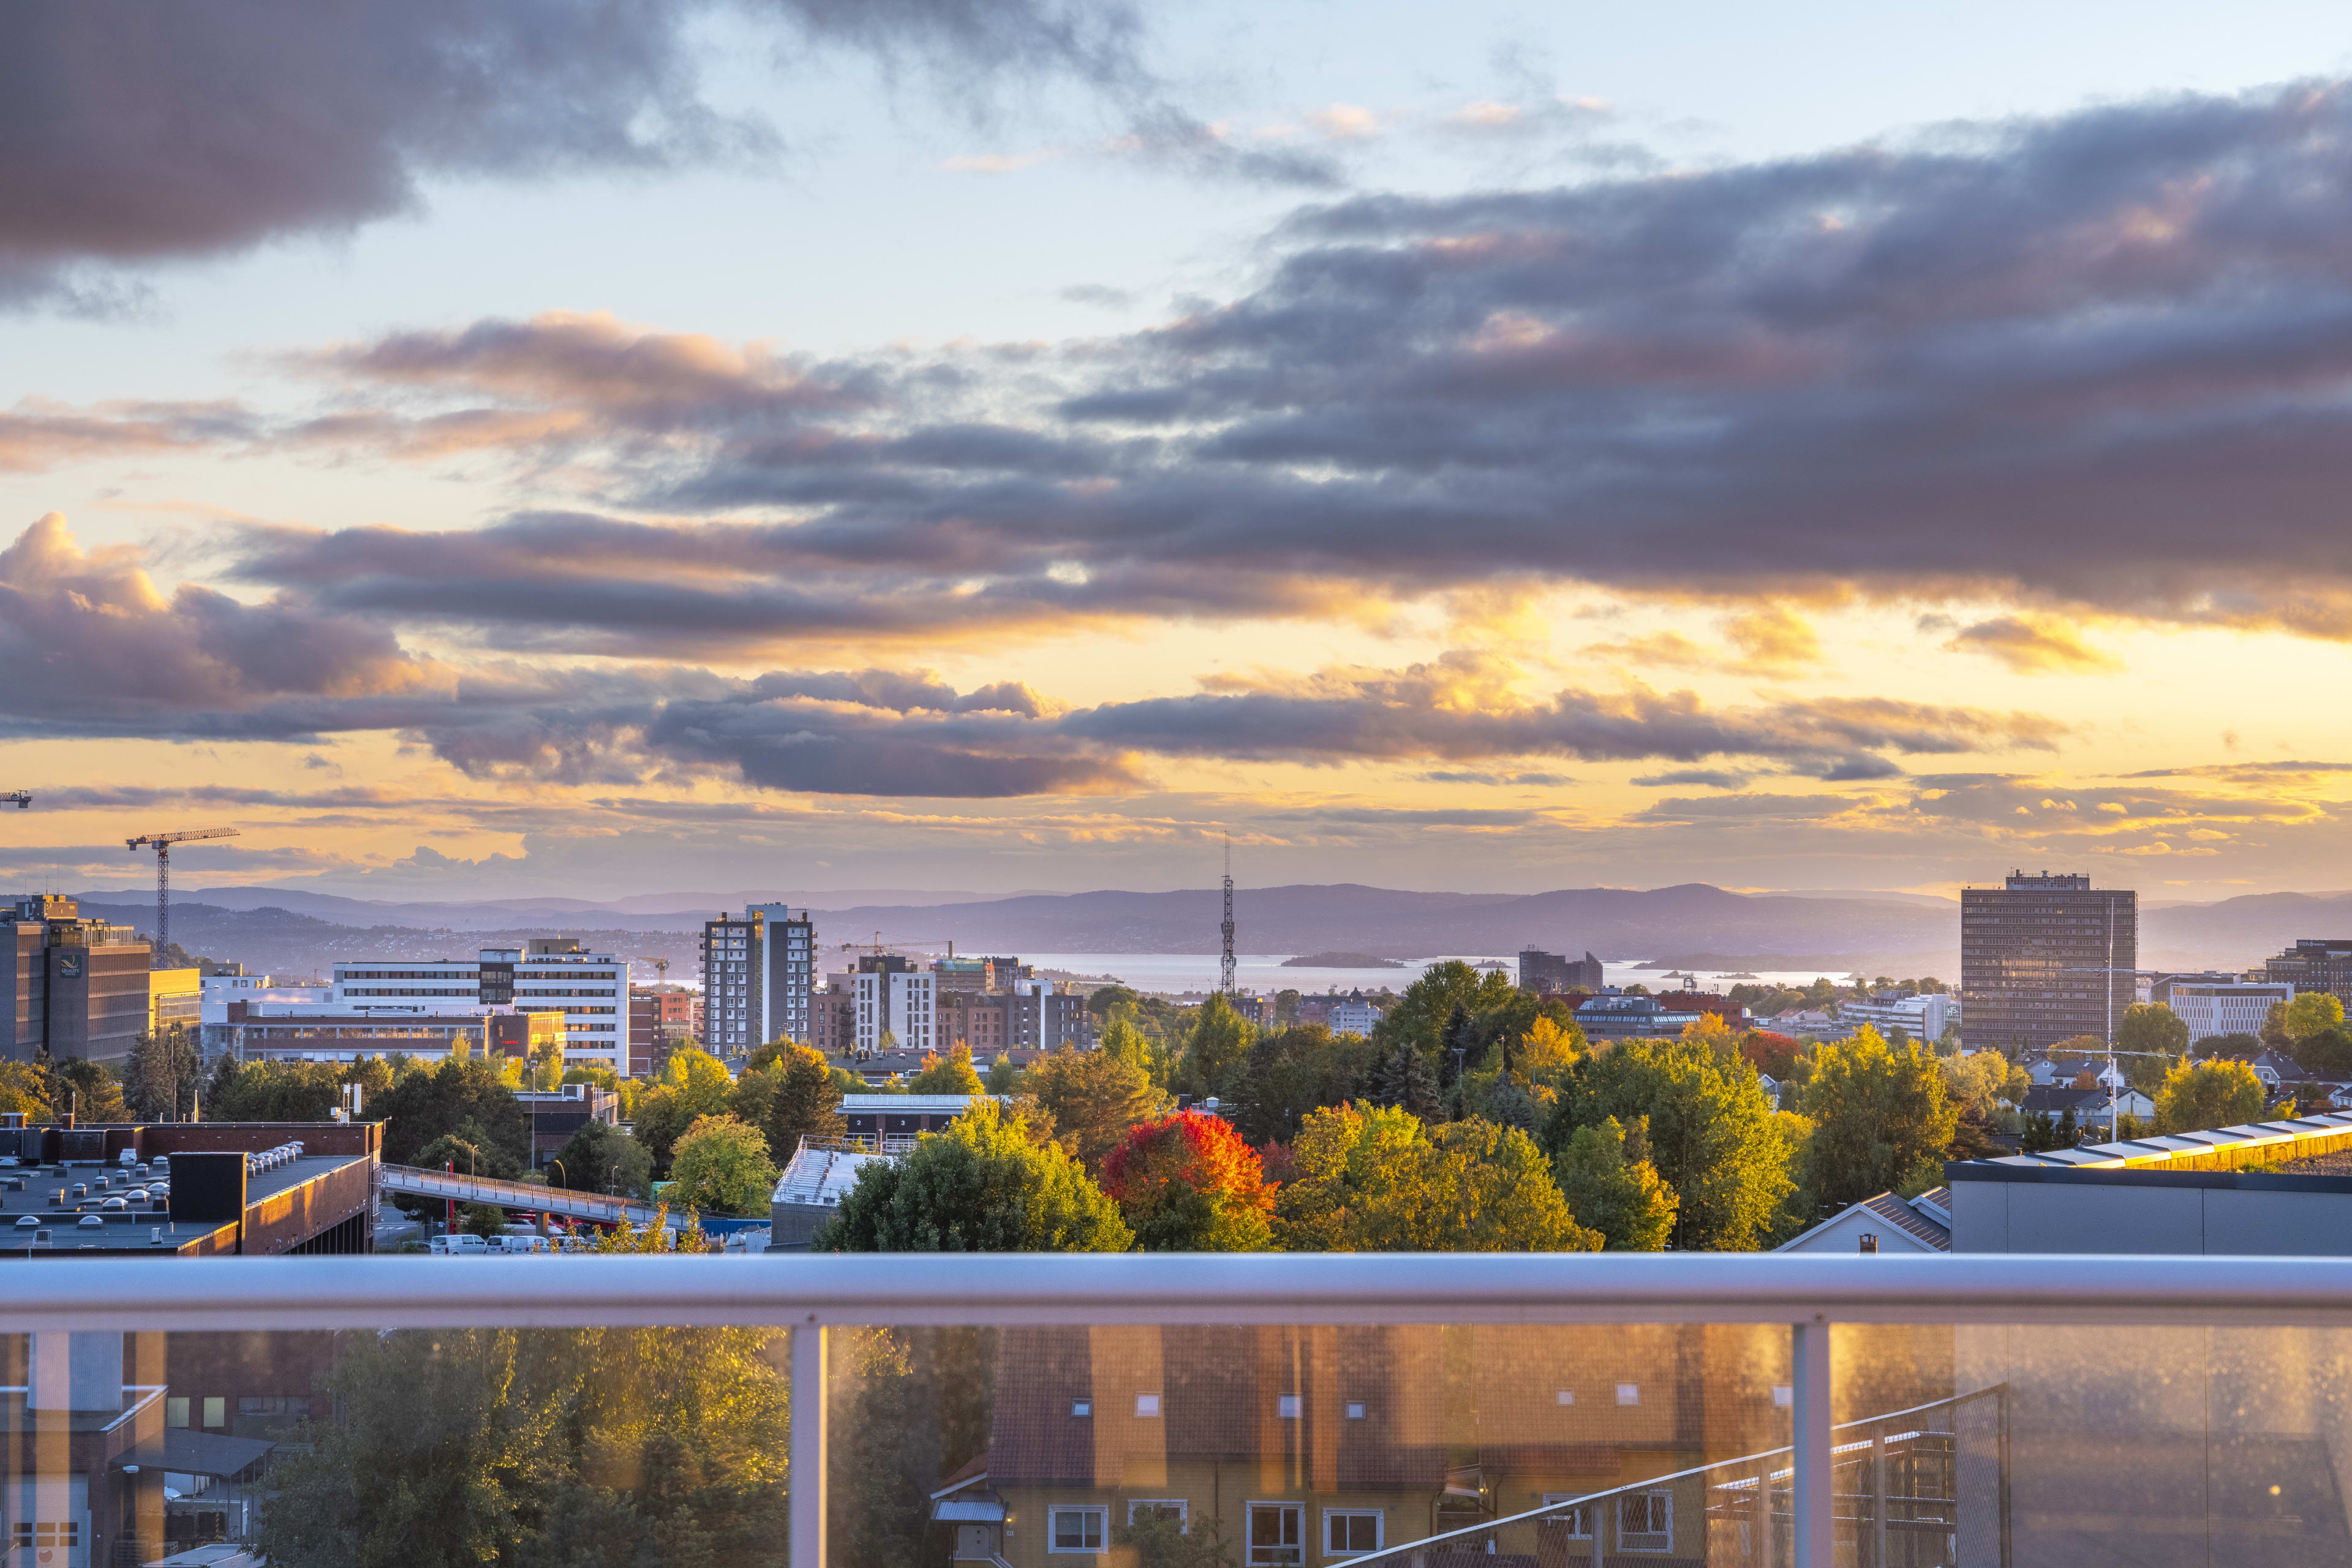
x,y
722,1164
1380,1179
1187,1183
1716,1138
539,1449
1881,1118
2196,1096
1422,1014
2153,1028
2326,1053
1292,1071
2041,1133
1610,1185
692,1085
950,1074
2243,1047
1984,1083
790,1096
1219,1043
485,1220
83,1086
1092,1098
1405,1080
1161,1540
24,1088
2274,1036
1002,1076
601,1158
2309,1014
980,1186
464,1097
1121,1039
160,1076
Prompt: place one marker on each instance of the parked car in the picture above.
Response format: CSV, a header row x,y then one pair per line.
x,y
460,1245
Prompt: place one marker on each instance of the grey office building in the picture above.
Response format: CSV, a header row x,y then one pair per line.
x,y
758,969
77,986
2315,964
1540,972
2037,961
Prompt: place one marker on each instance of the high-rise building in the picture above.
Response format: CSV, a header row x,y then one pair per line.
x,y
2315,964
659,1015
175,996
893,999
758,969
77,986
1540,972
2044,958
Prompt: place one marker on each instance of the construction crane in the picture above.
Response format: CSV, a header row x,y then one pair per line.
x,y
661,968
23,797
162,842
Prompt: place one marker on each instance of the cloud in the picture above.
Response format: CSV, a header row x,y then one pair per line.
x,y
1345,122
1544,781
2033,645
995,162
1713,778
115,148
40,433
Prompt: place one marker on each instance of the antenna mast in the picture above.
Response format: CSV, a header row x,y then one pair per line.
x,y
1225,965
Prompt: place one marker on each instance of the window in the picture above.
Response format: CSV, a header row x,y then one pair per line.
x,y
1176,1508
1355,1410
48,1535
1274,1535
1576,1521
1147,1405
1082,1407
216,1411
1287,1407
1348,1531
175,1410
1075,1529
1645,1521
1784,1394
1629,1394
1563,1396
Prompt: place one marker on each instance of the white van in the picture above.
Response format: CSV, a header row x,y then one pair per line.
x,y
458,1246
513,1243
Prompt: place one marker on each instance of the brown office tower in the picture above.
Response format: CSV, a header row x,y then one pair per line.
x,y
2044,958
79,986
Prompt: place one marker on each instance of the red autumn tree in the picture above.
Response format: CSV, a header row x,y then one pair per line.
x,y
1770,1053
1187,1183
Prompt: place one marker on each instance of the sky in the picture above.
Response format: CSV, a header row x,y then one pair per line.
x,y
600,450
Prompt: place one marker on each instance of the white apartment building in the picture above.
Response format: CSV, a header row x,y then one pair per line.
x,y
758,970
215,992
550,975
1923,1017
2238,1007
1353,1016
903,1004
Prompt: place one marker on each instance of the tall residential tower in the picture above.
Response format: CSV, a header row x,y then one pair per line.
x,y
2044,958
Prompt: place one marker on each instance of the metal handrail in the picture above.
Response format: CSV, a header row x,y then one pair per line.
x,y
1000,1288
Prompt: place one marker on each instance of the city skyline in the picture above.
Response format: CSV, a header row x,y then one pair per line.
x,y
1010,446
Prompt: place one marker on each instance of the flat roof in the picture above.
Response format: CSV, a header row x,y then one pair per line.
x,y
129,1229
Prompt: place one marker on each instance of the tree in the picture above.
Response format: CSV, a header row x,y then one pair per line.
x,y
2200,1095
980,1186
24,1089
539,1449
1772,1053
1292,1071
2274,1036
1093,1099
1984,1083
1003,1075
692,1084
2310,1012
83,1086
485,1220
1378,1180
2326,1052
1423,1017
1714,1136
471,1153
1188,1183
1213,1055
2241,1045
467,1098
2153,1028
950,1074
791,1096
722,1164
2041,1133
1162,1540
1881,1117
601,1158
1609,1185
1405,1081
159,1078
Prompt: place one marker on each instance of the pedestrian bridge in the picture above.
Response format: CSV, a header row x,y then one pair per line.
x,y
597,1208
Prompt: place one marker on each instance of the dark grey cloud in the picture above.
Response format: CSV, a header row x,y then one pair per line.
x,y
129,133
2095,359
1713,778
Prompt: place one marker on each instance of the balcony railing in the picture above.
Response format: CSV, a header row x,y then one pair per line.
x,y
2167,1409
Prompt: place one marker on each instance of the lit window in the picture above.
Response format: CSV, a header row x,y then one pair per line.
x,y
1082,1407
1784,1394
1629,1394
1274,1535
1348,1530
1076,1529
1287,1407
216,1411
1563,1396
1355,1410
175,1410
1147,1405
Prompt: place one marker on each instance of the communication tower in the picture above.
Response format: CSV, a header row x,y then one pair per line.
x,y
1225,963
